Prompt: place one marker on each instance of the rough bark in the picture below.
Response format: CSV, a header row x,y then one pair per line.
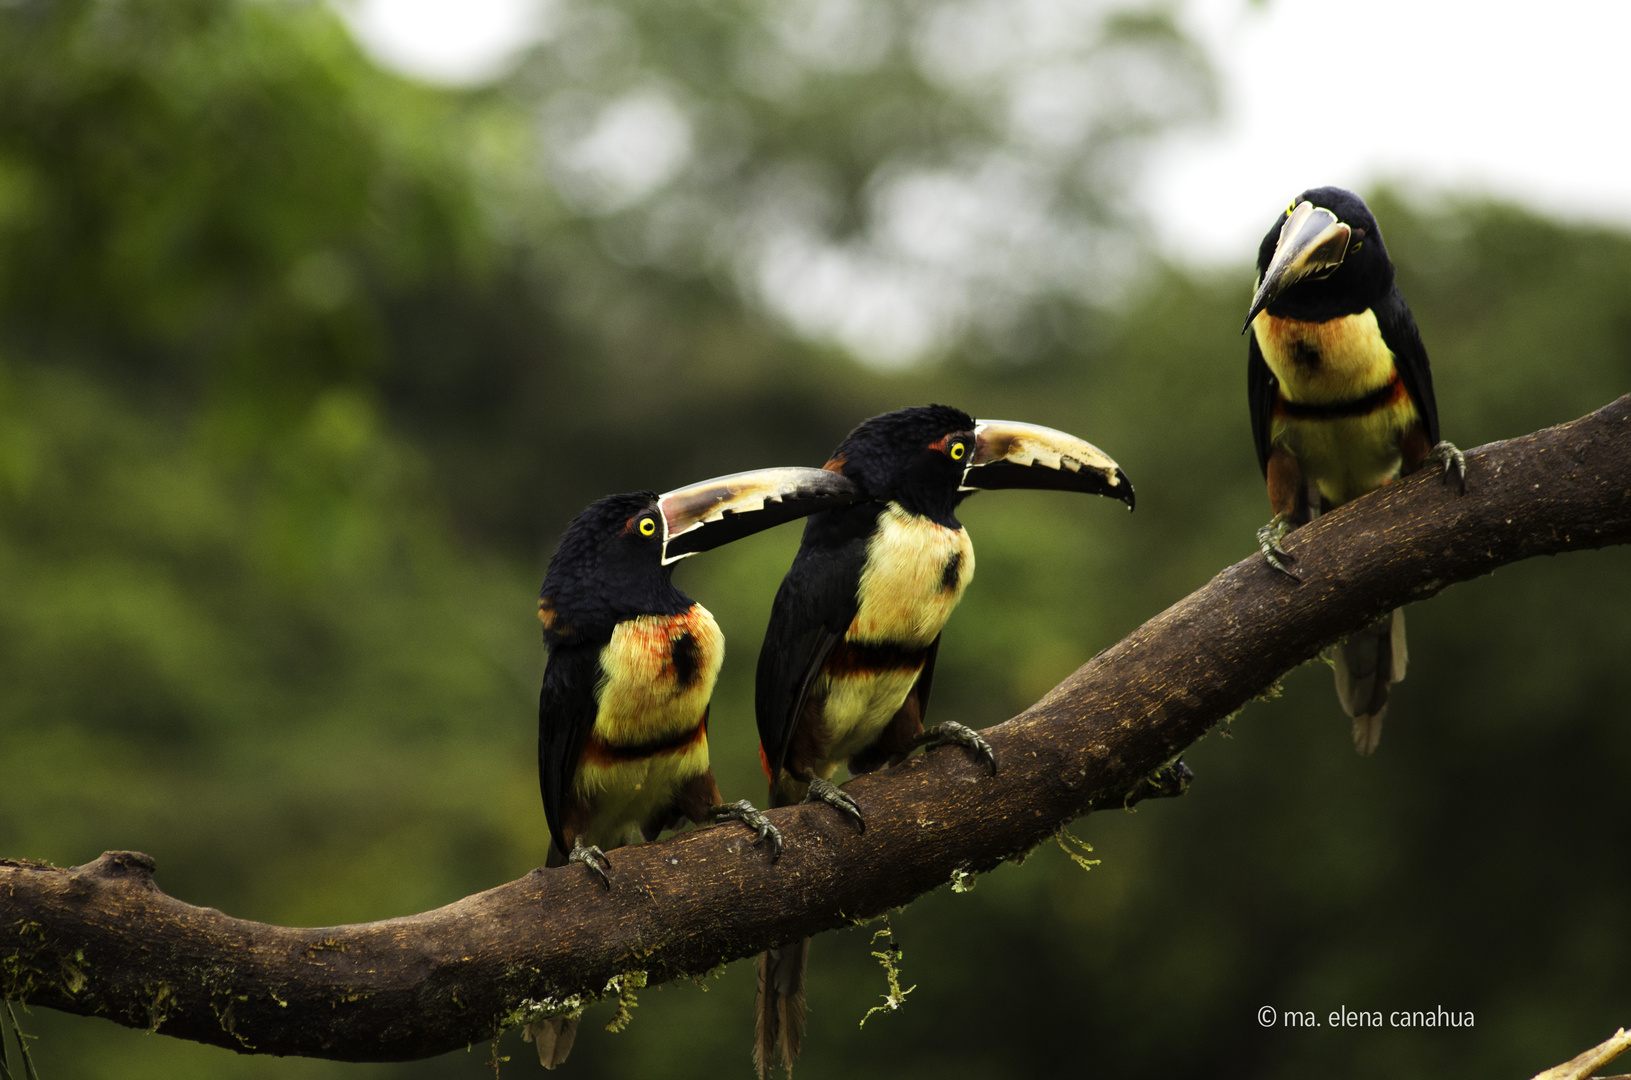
x,y
102,940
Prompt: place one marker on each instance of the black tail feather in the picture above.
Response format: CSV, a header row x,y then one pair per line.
x,y
779,1027
1367,664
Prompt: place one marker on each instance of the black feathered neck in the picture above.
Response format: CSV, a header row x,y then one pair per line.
x,y
1363,279
604,571
893,459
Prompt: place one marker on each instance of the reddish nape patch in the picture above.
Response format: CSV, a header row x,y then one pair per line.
x,y
836,465
552,621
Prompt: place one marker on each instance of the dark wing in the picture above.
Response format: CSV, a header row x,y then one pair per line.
x,y
925,681
813,609
1410,357
1262,388
567,705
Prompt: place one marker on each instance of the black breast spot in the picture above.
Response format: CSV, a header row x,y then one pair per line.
x,y
952,573
1306,355
687,658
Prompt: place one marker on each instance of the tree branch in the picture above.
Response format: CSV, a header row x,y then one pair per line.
x,y
1581,1067
102,940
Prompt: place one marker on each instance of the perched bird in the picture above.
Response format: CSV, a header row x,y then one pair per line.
x,y
849,654
1342,402
623,714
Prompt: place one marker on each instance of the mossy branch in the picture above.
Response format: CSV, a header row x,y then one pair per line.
x,y
102,940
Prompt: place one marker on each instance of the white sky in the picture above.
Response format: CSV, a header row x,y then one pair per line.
x,y
1526,101
446,41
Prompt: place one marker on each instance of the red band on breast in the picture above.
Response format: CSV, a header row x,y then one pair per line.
x,y
855,658
601,752
1389,393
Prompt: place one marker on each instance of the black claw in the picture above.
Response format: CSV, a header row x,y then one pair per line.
x,y
595,859
1268,542
1279,563
955,734
745,812
1454,462
828,792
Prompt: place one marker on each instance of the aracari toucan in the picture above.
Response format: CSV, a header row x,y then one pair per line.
x,y
1341,403
849,654
623,713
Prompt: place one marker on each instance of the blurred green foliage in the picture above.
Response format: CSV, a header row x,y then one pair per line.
x,y
303,367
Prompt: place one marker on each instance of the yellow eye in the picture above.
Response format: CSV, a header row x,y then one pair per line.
x,y
648,527
1290,207
957,450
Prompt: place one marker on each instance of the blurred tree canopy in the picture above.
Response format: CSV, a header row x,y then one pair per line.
x,y
303,367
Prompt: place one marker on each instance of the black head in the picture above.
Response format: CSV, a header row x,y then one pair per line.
x,y
915,457
608,567
1329,263
617,557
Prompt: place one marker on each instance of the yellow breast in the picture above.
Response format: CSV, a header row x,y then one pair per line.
x,y
1321,362
647,697
644,694
916,571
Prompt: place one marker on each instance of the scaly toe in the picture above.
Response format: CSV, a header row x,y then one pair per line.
x,y
1279,559
1455,462
955,734
753,818
828,792
1268,542
595,859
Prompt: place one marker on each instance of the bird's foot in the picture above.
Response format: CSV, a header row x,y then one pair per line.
x,y
595,859
753,818
828,792
1268,541
1454,462
954,734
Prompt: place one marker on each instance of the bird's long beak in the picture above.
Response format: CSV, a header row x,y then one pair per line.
x,y
1013,455
1312,244
715,512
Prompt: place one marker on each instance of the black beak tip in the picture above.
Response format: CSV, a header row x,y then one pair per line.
x,y
1125,487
